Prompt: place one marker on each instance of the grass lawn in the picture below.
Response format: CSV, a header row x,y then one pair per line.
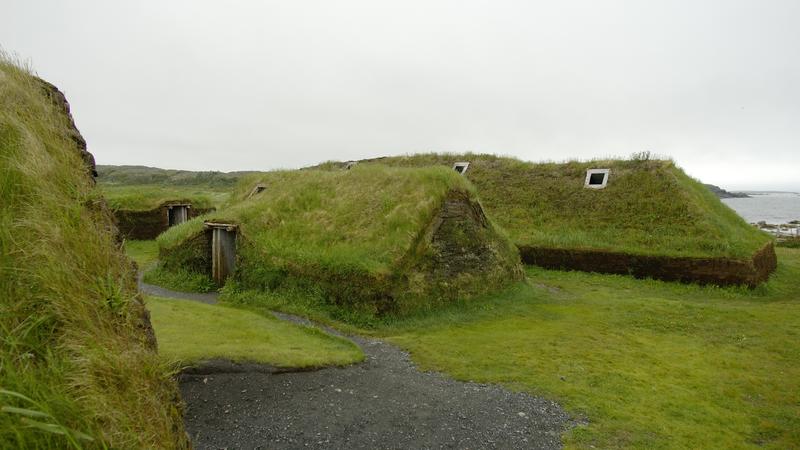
x,y
649,364
145,253
189,332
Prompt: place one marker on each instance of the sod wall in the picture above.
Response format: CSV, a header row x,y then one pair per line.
x,y
718,271
146,225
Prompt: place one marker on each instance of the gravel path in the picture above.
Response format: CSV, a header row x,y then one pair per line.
x,y
156,291
382,403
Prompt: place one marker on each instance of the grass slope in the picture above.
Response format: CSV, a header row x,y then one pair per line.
x,y
650,364
649,207
190,332
76,369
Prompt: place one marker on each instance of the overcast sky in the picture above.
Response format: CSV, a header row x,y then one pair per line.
x,y
240,85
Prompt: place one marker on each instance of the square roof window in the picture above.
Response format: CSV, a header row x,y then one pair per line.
x,y
461,167
596,178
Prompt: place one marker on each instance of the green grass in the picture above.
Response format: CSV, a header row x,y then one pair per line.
x,y
649,207
181,280
789,243
74,355
650,364
190,332
144,253
147,197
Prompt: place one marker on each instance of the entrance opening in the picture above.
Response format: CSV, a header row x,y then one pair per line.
x,y
177,214
596,178
461,167
223,251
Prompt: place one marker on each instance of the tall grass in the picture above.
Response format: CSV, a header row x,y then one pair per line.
x,y
74,347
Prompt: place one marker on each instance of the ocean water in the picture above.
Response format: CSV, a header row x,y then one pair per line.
x,y
771,207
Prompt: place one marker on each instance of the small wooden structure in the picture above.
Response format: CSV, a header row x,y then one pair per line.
x,y
223,250
177,213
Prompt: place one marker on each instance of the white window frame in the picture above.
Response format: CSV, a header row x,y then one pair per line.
x,y
606,173
464,164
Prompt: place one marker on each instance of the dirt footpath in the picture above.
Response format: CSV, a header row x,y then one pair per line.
x,y
383,403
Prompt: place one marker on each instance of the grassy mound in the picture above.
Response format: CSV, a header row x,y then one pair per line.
x,y
78,365
373,239
649,207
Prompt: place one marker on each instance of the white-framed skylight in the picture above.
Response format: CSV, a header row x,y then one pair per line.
x,y
461,167
596,178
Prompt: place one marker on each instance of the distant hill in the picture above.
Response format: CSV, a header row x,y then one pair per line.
x,y
722,193
136,175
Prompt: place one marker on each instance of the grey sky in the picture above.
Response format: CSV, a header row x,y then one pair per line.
x,y
241,85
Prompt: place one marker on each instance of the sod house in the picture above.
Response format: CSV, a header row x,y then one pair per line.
x,y
641,217
374,238
147,211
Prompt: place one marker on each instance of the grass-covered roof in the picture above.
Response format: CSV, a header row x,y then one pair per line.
x,y
367,217
372,232
649,207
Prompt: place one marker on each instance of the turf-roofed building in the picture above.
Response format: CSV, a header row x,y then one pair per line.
x,y
641,217
373,238
146,213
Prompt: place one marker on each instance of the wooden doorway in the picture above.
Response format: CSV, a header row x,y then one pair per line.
x,y
223,251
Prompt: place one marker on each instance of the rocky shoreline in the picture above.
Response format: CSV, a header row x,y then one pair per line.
x,y
722,193
784,230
